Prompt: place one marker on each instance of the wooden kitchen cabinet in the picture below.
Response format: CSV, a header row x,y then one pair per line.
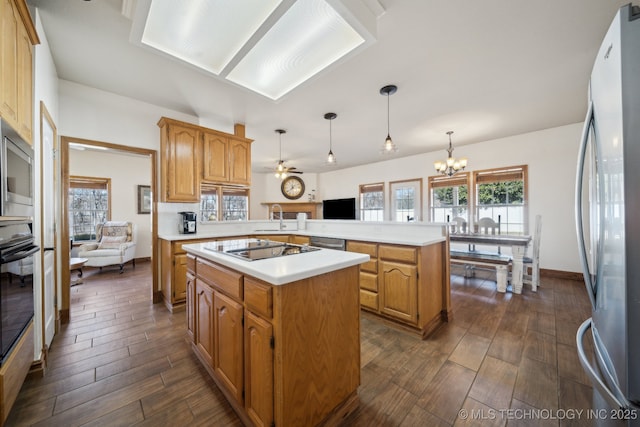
x,y
191,155
228,344
368,273
179,161
399,291
173,278
204,315
16,62
262,357
404,284
258,368
191,292
174,266
215,148
226,159
239,161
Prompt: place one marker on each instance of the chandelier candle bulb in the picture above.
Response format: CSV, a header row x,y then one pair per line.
x,y
452,165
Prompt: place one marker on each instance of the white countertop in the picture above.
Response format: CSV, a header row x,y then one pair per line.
x,y
280,270
398,234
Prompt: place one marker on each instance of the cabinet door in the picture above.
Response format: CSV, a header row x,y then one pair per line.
x,y
258,365
398,290
228,342
182,164
179,278
25,91
204,321
216,158
239,162
191,293
10,22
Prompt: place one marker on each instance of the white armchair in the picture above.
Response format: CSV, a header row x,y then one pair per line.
x,y
116,245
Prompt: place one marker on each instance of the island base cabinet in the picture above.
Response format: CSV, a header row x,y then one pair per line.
x,y
228,344
317,348
284,355
258,365
203,337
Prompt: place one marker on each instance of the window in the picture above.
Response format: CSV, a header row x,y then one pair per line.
x,y
372,202
406,200
89,205
449,197
232,206
501,194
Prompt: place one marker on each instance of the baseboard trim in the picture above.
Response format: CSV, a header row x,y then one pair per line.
x,y
559,274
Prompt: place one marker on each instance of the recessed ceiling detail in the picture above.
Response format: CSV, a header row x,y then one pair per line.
x,y
267,46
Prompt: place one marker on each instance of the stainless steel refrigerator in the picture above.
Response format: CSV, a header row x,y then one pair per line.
x,y
608,224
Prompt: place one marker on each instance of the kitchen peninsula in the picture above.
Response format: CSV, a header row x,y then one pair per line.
x,y
279,336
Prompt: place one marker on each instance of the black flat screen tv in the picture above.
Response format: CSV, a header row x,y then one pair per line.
x,y
339,209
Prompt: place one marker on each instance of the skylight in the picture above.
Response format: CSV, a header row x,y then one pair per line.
x,y
267,46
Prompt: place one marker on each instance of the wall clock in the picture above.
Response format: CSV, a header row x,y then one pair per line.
x,y
292,187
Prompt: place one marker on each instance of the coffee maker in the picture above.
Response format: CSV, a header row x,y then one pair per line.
x,y
187,223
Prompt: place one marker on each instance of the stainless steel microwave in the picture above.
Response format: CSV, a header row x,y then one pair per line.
x,y
17,176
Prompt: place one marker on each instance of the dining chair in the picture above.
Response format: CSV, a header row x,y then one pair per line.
x,y
460,223
533,262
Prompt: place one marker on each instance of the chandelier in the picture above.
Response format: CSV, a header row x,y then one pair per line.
x,y
452,165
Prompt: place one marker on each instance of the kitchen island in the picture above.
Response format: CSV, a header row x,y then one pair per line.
x,y
279,336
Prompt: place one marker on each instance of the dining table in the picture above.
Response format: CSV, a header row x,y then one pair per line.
x,y
517,243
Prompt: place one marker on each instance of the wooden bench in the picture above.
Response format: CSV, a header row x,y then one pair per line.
x,y
470,259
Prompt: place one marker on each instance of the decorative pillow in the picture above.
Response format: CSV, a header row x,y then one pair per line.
x,y
111,242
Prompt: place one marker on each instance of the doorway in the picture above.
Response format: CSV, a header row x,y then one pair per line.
x,y
65,243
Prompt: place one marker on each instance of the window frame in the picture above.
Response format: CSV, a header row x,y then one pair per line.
x,y
221,191
87,182
442,181
506,173
371,188
417,203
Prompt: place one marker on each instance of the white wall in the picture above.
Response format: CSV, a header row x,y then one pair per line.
x,y
126,172
266,188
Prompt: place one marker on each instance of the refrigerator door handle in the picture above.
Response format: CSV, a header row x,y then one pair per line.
x,y
593,375
582,250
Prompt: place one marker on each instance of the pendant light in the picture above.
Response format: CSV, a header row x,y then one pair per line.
x,y
388,147
451,166
281,170
331,158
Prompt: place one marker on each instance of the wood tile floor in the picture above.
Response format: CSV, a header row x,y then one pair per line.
x,y
505,359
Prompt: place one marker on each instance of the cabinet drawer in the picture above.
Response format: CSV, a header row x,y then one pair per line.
x,y
370,249
371,266
225,280
258,297
191,263
399,253
369,281
369,299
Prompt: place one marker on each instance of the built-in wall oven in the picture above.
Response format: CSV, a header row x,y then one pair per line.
x,y
16,281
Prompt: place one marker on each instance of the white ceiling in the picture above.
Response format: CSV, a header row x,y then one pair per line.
x,y
484,69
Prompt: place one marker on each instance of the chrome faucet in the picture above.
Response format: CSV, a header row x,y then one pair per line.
x,y
282,226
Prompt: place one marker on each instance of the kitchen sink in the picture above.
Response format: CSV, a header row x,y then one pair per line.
x,y
263,249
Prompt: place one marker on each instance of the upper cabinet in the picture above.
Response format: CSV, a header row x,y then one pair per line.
x,y
192,154
16,63
180,161
227,159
